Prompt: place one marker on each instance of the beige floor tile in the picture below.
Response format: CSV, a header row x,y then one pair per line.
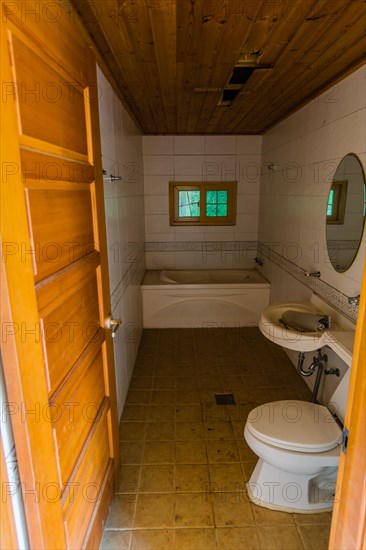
x,y
131,452
238,429
136,413
248,468
158,452
157,479
256,381
189,431
128,478
218,430
215,413
314,537
222,451
265,516
121,512
192,478
163,397
181,493
154,511
132,431
144,367
164,383
161,413
232,510
189,413
245,452
187,397
323,518
208,396
237,538
208,382
187,384
141,397
281,537
160,431
151,539
141,383
226,478
190,452
195,539
193,510
115,539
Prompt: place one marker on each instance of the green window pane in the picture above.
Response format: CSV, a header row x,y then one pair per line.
x,y
330,202
211,210
222,210
188,204
216,203
222,197
211,197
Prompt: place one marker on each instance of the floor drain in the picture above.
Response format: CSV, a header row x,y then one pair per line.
x,y
224,399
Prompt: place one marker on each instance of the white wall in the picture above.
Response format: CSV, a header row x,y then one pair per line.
x,y
306,149
200,158
124,207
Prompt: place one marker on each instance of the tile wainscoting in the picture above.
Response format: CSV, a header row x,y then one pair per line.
x,y
249,250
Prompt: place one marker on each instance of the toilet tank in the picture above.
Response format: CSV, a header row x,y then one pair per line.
x,y
338,401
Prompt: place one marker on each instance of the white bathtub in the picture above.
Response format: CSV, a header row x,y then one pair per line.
x,y
198,297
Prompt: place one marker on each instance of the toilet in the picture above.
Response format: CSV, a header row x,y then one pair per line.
x,y
298,444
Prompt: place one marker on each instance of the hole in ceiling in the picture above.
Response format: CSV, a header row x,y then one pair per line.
x,y
241,75
229,95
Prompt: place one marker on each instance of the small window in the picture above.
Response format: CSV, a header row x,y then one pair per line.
x,y
208,203
336,205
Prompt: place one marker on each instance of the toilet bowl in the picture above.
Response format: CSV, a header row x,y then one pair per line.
x,y
298,444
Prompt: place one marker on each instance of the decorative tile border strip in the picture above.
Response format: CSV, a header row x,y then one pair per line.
x,y
327,292
199,246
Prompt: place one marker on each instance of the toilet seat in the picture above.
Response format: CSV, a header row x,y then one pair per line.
x,y
295,426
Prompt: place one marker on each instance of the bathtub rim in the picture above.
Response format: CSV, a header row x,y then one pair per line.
x,y
152,281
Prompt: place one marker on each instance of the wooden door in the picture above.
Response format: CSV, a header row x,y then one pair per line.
x,y
58,356
349,522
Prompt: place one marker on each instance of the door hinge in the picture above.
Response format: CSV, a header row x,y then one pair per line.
x,y
344,440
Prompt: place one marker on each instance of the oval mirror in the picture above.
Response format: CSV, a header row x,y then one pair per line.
x,y
345,213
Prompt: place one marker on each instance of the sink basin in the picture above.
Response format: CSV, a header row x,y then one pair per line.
x,y
290,338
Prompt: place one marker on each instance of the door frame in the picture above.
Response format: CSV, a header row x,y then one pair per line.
x,y
349,523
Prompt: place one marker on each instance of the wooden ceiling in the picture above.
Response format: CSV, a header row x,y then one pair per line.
x,y
172,59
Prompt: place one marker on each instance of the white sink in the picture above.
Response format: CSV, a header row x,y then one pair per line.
x,y
275,331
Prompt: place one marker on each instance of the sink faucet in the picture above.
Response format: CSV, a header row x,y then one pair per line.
x,y
312,274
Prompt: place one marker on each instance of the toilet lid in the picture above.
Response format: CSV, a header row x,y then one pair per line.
x,y
295,425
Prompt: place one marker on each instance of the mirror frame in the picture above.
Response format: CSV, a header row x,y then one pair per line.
x,y
342,201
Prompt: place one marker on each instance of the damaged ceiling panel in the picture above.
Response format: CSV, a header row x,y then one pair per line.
x,y
223,66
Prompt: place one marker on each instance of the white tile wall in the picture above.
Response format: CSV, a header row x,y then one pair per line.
x,y
307,148
200,158
124,207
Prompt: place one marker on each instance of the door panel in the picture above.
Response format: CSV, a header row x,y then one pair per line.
x,y
65,214
75,410
70,327
56,277
44,95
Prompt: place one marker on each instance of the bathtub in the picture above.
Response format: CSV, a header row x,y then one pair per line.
x,y
189,298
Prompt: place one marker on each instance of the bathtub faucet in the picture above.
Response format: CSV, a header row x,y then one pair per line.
x,y
258,261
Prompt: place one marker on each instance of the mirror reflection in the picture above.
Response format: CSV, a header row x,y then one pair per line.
x,y
345,212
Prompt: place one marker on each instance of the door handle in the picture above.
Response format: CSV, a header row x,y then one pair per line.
x,y
112,324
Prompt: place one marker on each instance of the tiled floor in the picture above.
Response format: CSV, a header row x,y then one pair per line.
x,y
184,458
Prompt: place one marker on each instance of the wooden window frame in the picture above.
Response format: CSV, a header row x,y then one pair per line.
x,y
229,186
339,204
